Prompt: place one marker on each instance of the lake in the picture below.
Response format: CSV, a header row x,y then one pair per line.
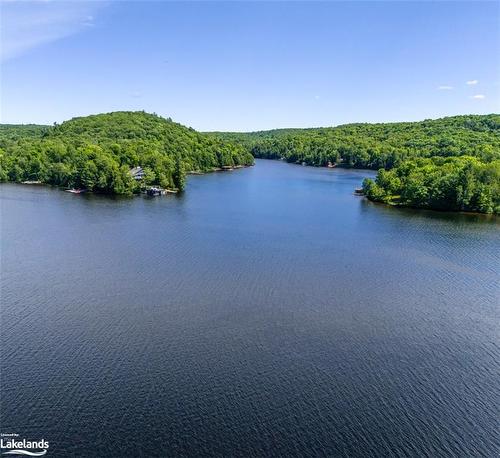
x,y
266,312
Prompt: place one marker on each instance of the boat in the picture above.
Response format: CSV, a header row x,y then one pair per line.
x,y
154,191
76,191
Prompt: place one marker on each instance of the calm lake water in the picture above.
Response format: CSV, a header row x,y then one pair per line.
x,y
266,312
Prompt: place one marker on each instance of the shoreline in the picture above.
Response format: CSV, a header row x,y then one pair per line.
x,y
140,192
436,210
226,168
355,192
337,166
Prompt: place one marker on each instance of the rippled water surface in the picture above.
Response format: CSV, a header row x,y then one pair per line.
x,y
266,312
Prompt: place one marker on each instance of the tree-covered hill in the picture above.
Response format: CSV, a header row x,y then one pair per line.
x,y
377,146
97,152
446,164
461,183
17,131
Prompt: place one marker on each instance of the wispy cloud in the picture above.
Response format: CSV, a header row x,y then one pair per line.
x,y
472,82
445,88
89,21
28,25
479,96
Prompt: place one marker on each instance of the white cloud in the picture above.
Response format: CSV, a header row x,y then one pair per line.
x,y
445,88
89,21
472,82
479,96
28,25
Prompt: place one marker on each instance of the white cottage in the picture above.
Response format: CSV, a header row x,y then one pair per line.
x,y
137,173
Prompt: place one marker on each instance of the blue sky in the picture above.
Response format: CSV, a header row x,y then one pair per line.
x,y
250,65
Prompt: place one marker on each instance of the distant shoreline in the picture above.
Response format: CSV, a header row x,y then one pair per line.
x,y
219,169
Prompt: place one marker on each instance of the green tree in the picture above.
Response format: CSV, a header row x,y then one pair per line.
x,y
179,175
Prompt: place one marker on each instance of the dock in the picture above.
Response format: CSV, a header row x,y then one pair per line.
x,y
153,191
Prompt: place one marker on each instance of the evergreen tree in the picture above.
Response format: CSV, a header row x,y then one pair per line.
x,y
179,175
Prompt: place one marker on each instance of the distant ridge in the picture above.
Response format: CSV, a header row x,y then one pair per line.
x,y
451,163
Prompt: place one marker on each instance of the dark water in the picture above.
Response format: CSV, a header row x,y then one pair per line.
x,y
267,312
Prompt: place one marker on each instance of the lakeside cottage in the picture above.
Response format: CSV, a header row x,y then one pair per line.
x,y
137,173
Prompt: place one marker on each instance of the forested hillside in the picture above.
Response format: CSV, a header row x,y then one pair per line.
x,y
378,145
17,131
461,183
462,174
447,164
97,152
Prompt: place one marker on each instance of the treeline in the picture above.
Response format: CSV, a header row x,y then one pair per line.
x,y
399,146
16,131
376,146
97,152
456,183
